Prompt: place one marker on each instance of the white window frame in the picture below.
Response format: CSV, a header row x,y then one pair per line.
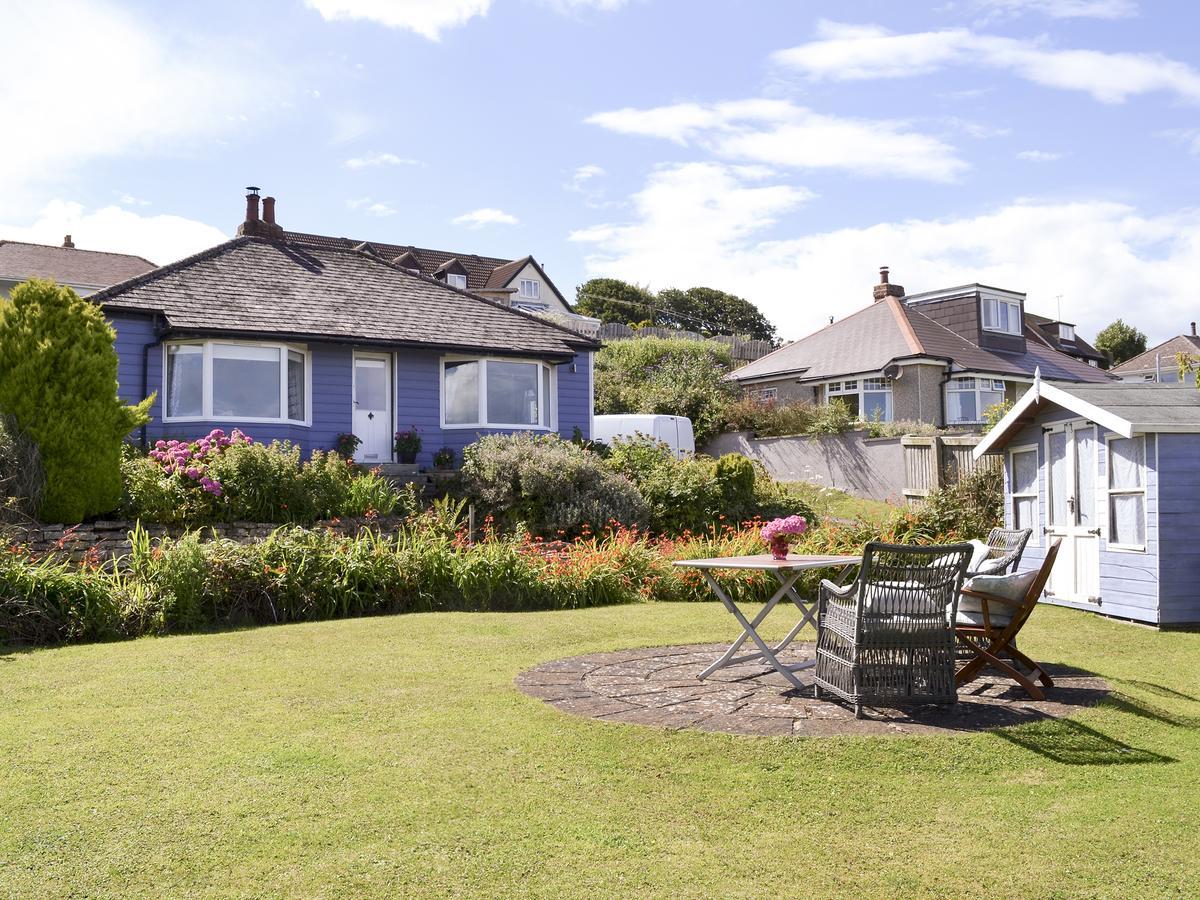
x,y
206,392
1109,491
765,395
991,315
851,387
456,280
1036,494
530,289
979,407
481,422
1066,332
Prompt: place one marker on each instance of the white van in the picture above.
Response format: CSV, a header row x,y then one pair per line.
x,y
674,431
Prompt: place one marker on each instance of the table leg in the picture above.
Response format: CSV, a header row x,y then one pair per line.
x,y
749,630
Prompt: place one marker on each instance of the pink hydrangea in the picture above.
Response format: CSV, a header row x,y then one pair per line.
x,y
777,528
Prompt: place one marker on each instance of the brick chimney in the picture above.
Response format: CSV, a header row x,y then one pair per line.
x,y
885,288
256,227
1193,329
70,245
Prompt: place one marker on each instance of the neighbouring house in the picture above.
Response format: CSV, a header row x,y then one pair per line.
x,y
941,357
517,283
86,271
1160,364
303,343
1114,470
1062,337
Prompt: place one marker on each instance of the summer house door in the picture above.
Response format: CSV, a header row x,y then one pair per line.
x,y
373,407
1072,514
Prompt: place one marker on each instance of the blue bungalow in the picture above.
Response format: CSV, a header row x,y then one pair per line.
x,y
1113,470
303,343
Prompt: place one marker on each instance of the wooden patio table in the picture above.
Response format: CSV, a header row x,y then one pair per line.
x,y
787,572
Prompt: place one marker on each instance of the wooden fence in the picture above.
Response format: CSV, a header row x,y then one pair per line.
x,y
742,349
931,461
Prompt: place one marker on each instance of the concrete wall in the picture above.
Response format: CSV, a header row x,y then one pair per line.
x,y
851,462
917,394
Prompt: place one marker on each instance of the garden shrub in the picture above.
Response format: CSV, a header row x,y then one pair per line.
x,y
52,601
968,508
58,380
546,484
22,479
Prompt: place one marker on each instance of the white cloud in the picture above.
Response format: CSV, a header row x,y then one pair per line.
x,y
571,6
707,224
1059,9
779,133
859,52
371,207
428,18
585,174
380,159
1188,137
477,218
160,238
154,92
1039,155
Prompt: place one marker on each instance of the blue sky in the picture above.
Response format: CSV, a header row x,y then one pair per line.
x,y
779,150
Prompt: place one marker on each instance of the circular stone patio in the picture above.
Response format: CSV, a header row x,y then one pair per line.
x,y
658,686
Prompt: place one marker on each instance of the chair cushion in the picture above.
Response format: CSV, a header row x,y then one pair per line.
x,y
892,597
1010,587
979,554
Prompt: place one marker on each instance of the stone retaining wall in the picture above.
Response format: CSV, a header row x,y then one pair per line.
x,y
110,538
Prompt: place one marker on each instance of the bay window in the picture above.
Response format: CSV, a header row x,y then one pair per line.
x,y
1001,315
497,393
236,381
869,399
967,398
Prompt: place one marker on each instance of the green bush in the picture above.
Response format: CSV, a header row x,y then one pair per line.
x,y
969,508
51,601
547,485
22,479
674,376
58,380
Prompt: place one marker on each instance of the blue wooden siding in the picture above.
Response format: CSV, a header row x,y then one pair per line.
x,y
1179,524
1129,580
417,385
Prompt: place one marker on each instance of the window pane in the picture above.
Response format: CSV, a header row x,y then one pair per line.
x,y
185,380
296,385
1024,472
371,384
1128,458
989,313
461,390
1085,475
245,381
512,393
1059,487
990,398
877,406
1002,308
547,397
960,406
1127,519
1024,512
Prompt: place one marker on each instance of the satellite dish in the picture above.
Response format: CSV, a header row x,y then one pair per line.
x,y
892,371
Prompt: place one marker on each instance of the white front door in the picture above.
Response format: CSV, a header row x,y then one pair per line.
x,y
1071,476
373,407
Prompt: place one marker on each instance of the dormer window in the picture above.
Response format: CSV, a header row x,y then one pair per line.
x,y
1066,332
530,289
1003,316
457,281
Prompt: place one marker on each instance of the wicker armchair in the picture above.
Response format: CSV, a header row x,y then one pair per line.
x,y
888,638
1006,546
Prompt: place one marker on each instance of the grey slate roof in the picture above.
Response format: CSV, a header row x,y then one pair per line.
x,y
257,286
1147,407
889,330
68,265
1047,329
1166,352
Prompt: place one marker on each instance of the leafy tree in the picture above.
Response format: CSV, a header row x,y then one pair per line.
x,y
613,300
58,380
710,311
1121,341
676,377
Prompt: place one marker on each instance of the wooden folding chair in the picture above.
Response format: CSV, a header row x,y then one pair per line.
x,y
990,635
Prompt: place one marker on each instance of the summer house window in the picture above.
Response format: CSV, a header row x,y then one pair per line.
x,y
531,289
868,398
968,398
1127,492
497,393
1023,480
252,382
1001,315
458,281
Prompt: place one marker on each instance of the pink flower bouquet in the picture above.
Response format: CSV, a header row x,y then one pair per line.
x,y
778,533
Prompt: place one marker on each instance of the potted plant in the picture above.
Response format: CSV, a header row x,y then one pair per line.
x,y
444,459
779,533
345,444
407,445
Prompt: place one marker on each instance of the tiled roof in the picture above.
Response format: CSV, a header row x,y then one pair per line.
x,y
1164,352
1078,347
479,268
888,331
256,286
67,265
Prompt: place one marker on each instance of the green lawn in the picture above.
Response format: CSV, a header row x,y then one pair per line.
x,y
830,502
393,756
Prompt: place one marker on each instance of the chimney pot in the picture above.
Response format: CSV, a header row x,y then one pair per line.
x,y
885,288
252,205
268,210
70,245
883,274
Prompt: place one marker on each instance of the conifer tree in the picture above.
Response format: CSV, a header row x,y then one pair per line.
x,y
58,379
